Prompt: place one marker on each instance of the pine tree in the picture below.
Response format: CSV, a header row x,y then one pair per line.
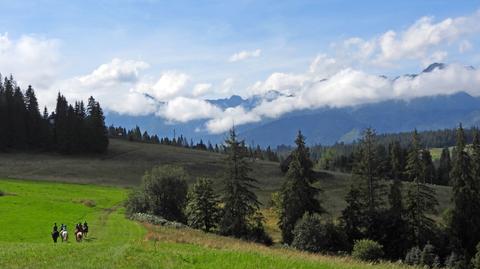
x,y
428,167
98,138
444,168
203,211
465,218
19,127
61,138
396,161
420,199
3,117
34,120
298,195
353,216
240,202
366,171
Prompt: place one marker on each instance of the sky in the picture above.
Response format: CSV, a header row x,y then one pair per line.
x,y
129,53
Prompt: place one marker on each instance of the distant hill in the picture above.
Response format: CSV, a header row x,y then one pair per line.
x,y
327,125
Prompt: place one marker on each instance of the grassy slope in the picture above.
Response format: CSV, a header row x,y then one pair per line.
x,y
29,208
126,162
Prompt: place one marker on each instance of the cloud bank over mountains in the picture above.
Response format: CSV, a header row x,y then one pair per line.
x,y
341,78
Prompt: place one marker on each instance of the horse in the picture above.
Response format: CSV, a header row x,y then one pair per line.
x,y
79,236
85,230
55,235
64,235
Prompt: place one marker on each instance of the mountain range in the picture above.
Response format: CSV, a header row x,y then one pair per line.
x,y
325,125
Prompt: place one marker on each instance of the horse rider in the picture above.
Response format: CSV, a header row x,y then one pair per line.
x,y
55,233
63,227
85,227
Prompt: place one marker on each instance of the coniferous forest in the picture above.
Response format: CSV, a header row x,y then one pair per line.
x,y
70,129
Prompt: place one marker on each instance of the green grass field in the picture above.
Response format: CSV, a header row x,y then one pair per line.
x,y
126,162
29,208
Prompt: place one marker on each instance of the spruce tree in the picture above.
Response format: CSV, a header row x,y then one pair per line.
x,y
465,218
98,135
353,216
396,161
34,119
240,202
298,195
428,167
3,117
444,168
203,211
366,172
421,198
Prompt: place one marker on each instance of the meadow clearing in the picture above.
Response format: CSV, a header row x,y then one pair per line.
x,y
28,210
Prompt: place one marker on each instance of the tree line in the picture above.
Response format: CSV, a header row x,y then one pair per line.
x,y
383,219
136,134
389,217
69,129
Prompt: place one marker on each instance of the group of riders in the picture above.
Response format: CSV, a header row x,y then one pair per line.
x,y
81,231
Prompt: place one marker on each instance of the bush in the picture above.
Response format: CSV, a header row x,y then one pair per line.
x,y
163,193
307,234
367,250
476,258
256,231
310,234
428,256
414,256
455,261
136,203
2,193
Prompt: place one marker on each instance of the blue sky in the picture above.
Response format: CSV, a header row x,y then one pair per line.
x,y
169,49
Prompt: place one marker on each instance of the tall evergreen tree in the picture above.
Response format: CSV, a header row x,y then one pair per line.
x,y
298,195
19,127
3,117
240,202
353,216
420,199
444,168
34,119
465,218
396,161
203,211
428,167
366,171
98,139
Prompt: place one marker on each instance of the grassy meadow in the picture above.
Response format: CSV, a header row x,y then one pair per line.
x,y
126,162
29,208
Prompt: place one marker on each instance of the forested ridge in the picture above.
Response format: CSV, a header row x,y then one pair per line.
x,y
69,129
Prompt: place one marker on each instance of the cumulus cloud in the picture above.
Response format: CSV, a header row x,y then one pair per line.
x,y
423,40
114,72
169,85
350,87
201,89
31,59
245,54
183,109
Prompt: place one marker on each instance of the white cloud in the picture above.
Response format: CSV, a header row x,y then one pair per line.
x,y
350,87
201,89
31,59
282,82
114,72
169,85
230,117
182,109
465,46
423,40
244,54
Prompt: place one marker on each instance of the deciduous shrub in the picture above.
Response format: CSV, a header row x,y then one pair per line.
x,y
162,193
367,250
413,256
313,235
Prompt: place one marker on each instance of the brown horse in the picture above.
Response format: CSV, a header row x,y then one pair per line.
x,y
79,235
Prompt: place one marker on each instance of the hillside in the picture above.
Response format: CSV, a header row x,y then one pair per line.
x,y
29,209
126,162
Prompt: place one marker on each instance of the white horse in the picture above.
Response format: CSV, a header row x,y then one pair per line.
x,y
64,235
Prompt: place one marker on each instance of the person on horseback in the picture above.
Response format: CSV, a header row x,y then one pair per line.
x,y
55,233
85,228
